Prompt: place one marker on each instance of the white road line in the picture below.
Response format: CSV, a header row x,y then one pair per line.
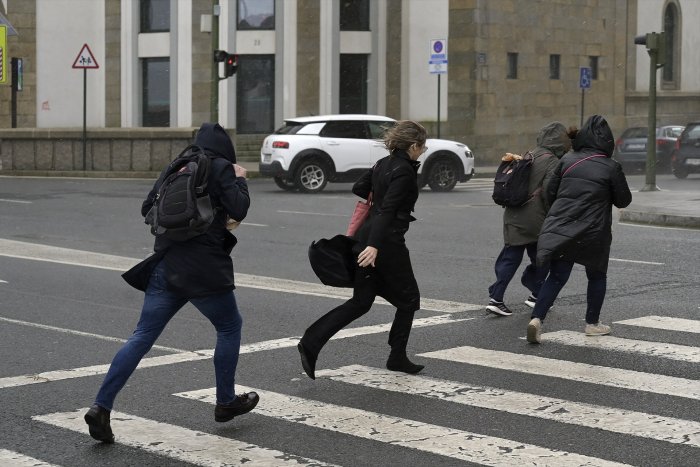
x,y
37,252
636,261
574,371
682,353
435,439
667,323
81,333
186,356
3,282
175,442
253,224
18,201
672,430
314,213
644,226
15,459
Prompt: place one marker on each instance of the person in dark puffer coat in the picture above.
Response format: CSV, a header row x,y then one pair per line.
x,y
578,227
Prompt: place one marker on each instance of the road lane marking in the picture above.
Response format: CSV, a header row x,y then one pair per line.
x,y
176,442
435,439
187,356
637,261
672,430
667,323
15,459
683,353
314,213
18,201
573,371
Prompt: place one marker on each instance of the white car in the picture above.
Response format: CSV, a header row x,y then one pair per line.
x,y
308,152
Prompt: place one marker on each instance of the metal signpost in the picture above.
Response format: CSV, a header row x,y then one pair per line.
x,y
437,65
584,83
85,60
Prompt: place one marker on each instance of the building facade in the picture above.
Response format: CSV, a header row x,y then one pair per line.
x,y
513,66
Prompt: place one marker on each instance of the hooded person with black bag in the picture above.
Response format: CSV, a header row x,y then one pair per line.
x,y
586,184
198,270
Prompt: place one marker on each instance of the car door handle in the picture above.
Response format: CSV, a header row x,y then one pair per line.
x,y
333,143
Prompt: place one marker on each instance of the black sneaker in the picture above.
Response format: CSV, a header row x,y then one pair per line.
x,y
97,419
243,404
530,301
498,308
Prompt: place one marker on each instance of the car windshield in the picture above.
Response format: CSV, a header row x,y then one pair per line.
x,y
676,131
635,133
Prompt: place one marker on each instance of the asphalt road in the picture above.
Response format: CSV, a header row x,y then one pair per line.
x,y
485,397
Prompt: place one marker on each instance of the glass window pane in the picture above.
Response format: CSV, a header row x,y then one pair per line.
x,y
670,29
554,66
155,15
353,84
255,94
593,64
156,92
354,15
345,129
512,72
256,14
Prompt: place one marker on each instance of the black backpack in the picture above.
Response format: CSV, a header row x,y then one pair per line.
x,y
510,187
182,208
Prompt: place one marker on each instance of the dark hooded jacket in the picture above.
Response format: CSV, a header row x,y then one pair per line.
x,y
202,265
585,185
522,224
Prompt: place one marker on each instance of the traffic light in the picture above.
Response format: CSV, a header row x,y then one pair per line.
x,y
220,55
656,46
230,65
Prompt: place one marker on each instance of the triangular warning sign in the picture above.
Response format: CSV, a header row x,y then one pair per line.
x,y
85,59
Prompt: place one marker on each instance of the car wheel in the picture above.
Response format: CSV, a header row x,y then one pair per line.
x,y
442,175
680,173
311,176
286,185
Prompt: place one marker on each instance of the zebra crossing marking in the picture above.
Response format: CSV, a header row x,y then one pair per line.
x,y
664,322
672,430
435,439
574,371
185,356
15,459
179,443
682,353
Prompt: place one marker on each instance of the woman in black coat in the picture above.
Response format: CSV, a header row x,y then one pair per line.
x,y
578,226
383,261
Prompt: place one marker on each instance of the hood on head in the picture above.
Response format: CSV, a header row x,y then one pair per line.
x,y
212,137
597,135
553,136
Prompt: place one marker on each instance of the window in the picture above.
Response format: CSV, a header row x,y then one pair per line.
x,y
353,84
345,129
256,14
512,72
554,60
354,15
593,65
670,27
255,92
377,129
156,92
155,15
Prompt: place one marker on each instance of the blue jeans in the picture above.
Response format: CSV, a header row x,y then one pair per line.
x,y
559,273
159,306
507,264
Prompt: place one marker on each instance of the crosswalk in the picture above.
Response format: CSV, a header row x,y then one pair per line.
x,y
413,432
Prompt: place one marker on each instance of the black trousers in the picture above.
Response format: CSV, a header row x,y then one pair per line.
x,y
365,291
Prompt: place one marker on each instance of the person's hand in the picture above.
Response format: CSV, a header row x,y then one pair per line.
x,y
367,257
240,171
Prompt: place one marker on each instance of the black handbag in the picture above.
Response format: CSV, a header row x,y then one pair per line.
x,y
139,275
333,261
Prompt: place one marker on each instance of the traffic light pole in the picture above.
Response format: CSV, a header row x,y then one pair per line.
x,y
215,65
651,134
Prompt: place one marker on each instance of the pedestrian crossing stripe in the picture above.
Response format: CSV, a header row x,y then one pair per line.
x,y
666,323
668,429
15,459
450,442
574,371
179,443
682,353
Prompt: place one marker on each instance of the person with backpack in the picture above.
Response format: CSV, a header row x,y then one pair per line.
x,y
523,215
586,184
383,265
198,270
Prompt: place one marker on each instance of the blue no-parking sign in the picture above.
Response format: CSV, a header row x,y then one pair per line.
x,y
585,78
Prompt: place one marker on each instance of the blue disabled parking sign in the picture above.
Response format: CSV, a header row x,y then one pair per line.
x,y
585,78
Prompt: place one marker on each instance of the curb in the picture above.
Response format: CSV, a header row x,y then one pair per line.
x,y
659,219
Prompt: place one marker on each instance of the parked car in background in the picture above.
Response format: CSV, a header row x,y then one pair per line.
x,y
631,147
308,152
686,157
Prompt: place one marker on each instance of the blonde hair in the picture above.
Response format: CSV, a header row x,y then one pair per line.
x,y
404,134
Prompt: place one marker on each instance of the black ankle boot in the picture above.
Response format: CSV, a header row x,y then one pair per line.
x,y
398,361
308,361
97,419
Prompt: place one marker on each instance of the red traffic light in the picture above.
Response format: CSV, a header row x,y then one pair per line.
x,y
230,65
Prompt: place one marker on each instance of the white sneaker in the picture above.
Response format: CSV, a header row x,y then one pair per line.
x,y
598,329
530,301
534,331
